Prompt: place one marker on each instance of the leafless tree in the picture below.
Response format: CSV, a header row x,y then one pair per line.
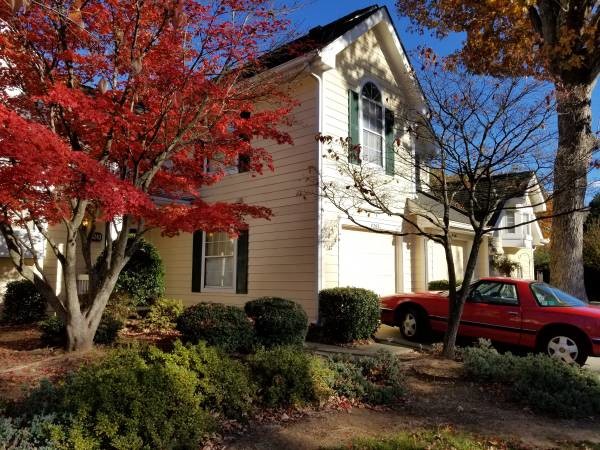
x,y
460,156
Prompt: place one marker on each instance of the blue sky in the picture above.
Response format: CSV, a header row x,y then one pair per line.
x,y
320,12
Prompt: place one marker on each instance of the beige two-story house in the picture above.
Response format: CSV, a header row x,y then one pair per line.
x,y
350,78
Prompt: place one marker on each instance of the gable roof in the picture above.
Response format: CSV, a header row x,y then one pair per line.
x,y
499,188
318,37
430,204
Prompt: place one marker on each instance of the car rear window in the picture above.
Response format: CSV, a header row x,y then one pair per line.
x,y
546,295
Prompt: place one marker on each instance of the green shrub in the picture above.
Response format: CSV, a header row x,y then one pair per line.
x,y
348,314
108,330
277,321
543,384
143,277
54,330
289,376
376,380
441,285
224,383
127,402
219,325
22,303
163,314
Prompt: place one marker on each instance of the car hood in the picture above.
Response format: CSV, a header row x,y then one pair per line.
x,y
589,311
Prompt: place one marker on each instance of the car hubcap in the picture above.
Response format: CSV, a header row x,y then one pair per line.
x,y
409,325
563,348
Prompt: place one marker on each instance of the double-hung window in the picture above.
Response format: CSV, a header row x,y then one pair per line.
x,y
510,221
219,261
372,122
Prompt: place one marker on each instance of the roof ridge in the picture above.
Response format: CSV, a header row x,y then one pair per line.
x,y
318,37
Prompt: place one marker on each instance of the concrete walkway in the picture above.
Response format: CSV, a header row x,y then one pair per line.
x,y
386,338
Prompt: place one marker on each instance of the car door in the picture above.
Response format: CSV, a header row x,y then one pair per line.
x,y
493,311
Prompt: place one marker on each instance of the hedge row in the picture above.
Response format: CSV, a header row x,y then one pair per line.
x,y
265,322
143,397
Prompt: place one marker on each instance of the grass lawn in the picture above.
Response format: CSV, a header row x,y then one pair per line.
x,y
443,439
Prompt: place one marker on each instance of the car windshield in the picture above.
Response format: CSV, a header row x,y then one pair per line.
x,y
547,295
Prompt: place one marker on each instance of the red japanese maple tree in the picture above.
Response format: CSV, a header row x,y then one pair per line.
x,y
107,106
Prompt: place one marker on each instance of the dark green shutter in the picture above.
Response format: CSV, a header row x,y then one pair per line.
x,y
390,154
241,282
243,163
353,129
197,253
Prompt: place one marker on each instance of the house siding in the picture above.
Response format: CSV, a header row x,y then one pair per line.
x,y
362,61
282,251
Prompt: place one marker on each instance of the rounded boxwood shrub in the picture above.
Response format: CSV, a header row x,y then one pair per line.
x,y
143,278
23,303
288,375
277,321
219,325
348,314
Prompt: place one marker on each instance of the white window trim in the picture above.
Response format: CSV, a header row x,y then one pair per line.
x,y
514,226
361,127
205,288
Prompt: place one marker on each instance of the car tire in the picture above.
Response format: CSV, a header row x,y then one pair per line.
x,y
412,323
566,346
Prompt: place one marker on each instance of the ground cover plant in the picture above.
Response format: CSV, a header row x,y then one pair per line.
x,y
442,439
374,380
543,384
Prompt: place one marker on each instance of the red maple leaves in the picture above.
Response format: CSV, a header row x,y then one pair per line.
x,y
119,103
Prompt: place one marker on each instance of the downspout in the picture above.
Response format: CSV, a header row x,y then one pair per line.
x,y
319,265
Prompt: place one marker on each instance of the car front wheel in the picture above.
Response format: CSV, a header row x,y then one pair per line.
x,y
566,347
412,324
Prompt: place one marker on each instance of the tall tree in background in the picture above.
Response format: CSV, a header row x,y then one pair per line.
x,y
106,105
554,40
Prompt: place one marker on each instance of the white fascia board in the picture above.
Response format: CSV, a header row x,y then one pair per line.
x,y
329,53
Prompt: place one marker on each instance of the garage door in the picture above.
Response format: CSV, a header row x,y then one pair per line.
x,y
368,260
437,269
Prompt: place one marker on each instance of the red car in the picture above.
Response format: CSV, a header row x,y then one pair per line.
x,y
523,313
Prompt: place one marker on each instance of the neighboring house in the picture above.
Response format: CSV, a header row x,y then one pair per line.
x,y
348,77
520,242
522,200
8,272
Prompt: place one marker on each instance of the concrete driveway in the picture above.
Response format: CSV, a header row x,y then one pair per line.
x,y
392,336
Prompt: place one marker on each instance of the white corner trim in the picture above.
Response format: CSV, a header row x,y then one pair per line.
x,y
318,75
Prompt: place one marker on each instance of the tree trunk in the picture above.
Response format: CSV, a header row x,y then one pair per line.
x,y
80,337
572,163
457,299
